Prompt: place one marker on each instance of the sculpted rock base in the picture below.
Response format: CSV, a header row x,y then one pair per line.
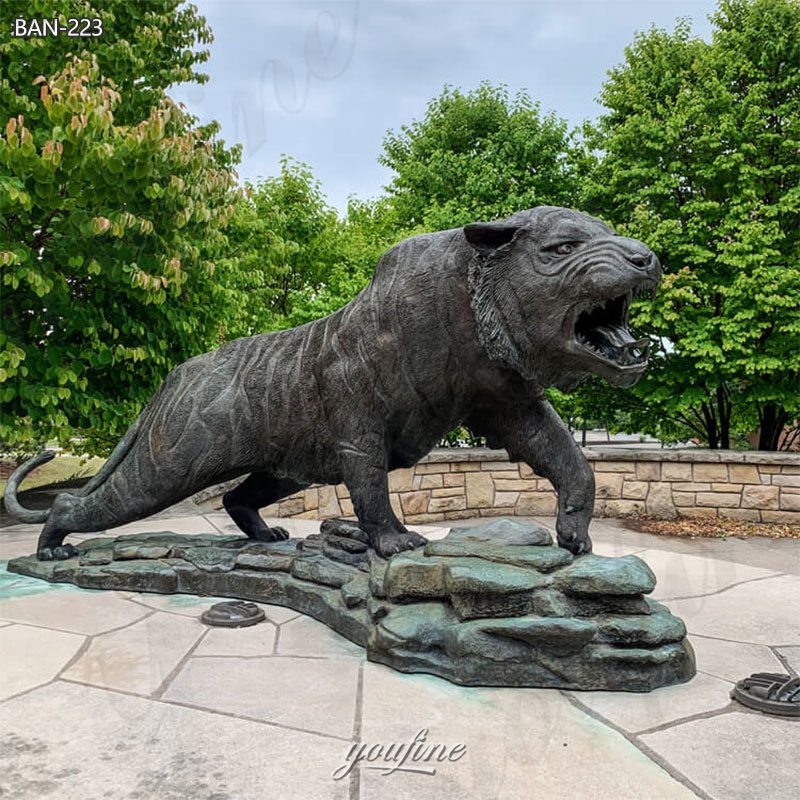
x,y
491,605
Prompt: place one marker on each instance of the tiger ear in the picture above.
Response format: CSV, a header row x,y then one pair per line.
x,y
486,237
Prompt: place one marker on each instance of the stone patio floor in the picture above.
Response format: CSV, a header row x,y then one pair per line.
x,y
125,695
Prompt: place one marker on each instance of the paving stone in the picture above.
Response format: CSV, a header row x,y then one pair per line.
x,y
193,524
71,610
33,656
792,655
762,612
221,521
313,694
15,585
187,605
278,614
297,528
615,548
307,637
733,661
138,658
609,538
432,533
167,759
254,640
519,744
683,575
14,549
638,712
735,756
66,740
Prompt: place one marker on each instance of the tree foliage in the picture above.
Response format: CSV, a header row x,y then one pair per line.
x,y
359,239
292,259
477,155
145,48
125,246
109,228
697,154
280,247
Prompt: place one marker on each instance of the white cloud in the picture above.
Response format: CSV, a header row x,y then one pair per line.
x,y
373,65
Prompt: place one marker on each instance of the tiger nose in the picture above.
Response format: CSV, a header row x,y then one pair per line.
x,y
638,253
644,260
641,258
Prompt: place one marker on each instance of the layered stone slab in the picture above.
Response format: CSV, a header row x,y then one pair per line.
x,y
493,605
460,483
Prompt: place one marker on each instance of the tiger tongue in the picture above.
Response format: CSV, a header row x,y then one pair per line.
x,y
615,335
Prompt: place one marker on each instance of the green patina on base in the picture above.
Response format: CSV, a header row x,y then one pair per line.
x,y
491,605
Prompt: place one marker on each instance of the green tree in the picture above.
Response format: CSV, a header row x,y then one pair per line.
x,y
359,239
477,155
293,258
282,246
144,48
696,154
112,209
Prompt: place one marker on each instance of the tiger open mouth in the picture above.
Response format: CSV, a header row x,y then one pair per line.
x,y
602,331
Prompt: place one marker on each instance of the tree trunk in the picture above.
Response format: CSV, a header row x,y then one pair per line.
x,y
724,417
773,420
712,431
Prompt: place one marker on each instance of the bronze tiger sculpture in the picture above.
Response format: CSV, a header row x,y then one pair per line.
x,y
462,326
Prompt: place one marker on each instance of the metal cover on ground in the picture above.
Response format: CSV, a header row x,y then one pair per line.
x,y
770,692
233,614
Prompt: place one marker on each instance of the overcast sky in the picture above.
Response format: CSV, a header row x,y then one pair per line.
x,y
323,80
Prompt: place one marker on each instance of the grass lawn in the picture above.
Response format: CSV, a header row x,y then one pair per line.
x,y
60,470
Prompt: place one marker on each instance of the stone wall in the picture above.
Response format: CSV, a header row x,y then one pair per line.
x,y
452,484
